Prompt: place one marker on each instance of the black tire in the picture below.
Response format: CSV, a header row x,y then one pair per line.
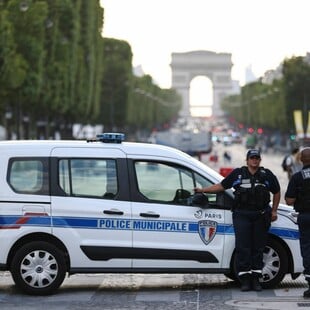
x,y
232,274
38,268
275,264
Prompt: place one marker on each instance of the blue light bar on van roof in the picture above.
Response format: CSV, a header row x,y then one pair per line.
x,y
111,137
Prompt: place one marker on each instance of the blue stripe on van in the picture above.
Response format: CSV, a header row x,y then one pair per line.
x,y
9,222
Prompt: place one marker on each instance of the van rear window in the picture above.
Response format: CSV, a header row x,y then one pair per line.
x,y
28,175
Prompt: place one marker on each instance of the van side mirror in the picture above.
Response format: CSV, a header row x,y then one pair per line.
x,y
181,196
200,200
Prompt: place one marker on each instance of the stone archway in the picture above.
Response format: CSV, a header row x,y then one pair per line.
x,y
215,66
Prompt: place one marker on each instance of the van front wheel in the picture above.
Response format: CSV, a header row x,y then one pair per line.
x,y
275,264
38,268
275,260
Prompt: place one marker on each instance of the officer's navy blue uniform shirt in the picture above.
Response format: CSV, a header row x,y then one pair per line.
x,y
296,184
232,179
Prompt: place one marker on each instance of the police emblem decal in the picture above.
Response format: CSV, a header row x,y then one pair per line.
x,y
207,230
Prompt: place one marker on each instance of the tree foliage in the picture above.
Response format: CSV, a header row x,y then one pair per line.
x,y
57,69
272,105
117,76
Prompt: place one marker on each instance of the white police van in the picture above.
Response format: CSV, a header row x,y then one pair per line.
x,y
107,206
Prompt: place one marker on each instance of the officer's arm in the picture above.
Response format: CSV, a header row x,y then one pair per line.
x,y
275,205
290,194
215,188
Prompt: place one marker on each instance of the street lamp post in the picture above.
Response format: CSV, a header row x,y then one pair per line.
x,y
26,127
306,121
112,115
41,129
8,119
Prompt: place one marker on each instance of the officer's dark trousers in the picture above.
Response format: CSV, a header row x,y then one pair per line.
x,y
304,232
251,230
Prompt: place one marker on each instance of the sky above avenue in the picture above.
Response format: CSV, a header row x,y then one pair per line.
x,y
260,33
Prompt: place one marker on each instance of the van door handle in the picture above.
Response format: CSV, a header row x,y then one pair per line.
x,y
34,210
115,212
150,215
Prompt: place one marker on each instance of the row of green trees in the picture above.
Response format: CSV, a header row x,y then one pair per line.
x,y
56,69
272,105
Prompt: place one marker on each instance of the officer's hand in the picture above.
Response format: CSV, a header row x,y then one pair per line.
x,y
274,216
198,190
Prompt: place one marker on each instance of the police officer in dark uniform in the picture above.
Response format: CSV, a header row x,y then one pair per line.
x,y
298,194
252,215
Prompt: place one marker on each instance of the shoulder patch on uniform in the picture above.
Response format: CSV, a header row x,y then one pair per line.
x,y
305,173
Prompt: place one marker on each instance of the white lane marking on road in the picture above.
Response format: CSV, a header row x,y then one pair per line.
x,y
158,296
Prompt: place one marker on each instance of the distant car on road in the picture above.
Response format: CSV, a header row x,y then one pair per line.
x,y
236,138
227,140
192,142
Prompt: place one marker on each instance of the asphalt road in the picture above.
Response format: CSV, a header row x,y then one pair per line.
x,y
155,292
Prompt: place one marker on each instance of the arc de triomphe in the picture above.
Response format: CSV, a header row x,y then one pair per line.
x,y
215,66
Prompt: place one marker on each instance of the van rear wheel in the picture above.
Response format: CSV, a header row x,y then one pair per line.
x,y
38,268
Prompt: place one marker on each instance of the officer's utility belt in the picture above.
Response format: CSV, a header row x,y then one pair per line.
x,y
251,208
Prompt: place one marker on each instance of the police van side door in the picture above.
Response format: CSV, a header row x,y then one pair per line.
x,y
91,214
168,232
